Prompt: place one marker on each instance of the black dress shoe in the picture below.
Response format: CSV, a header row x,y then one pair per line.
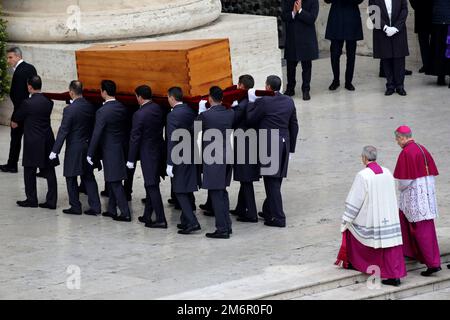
x,y
430,271
190,229
262,215
109,215
45,205
144,220
129,197
422,70
391,282
349,87
205,207
218,235
408,72
91,212
8,168
441,81
104,194
274,223
181,226
122,218
230,231
71,211
156,225
39,175
334,85
235,213
27,204
144,200
448,266
401,91
306,96
289,93
389,92
208,213
171,201
246,219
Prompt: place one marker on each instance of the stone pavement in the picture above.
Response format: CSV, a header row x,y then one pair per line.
x,y
129,261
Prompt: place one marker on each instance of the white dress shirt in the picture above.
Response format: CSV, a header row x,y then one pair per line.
x,y
389,8
109,100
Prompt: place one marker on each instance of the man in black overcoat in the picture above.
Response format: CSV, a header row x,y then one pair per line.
x,y
423,26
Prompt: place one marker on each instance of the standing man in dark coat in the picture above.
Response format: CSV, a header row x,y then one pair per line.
x,y
245,172
274,113
217,175
390,42
76,130
110,135
18,93
423,13
183,172
301,41
34,115
147,143
344,25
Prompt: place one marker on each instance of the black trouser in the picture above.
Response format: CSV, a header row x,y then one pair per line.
x,y
90,184
15,145
395,72
188,217
29,175
117,198
273,204
246,205
306,75
221,206
154,203
336,52
425,48
127,183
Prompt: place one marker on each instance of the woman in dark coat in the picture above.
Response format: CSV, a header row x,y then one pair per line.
x,y
301,41
344,25
440,65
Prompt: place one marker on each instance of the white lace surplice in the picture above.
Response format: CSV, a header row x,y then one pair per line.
x,y
418,199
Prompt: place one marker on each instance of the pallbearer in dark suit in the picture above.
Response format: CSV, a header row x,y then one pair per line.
x,y
217,174
245,172
423,14
76,130
301,41
147,143
34,114
390,41
182,171
344,25
274,113
110,135
18,93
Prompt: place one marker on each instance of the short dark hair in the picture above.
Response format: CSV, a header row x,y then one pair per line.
x,y
109,86
247,81
77,87
176,93
35,82
216,94
16,50
274,82
144,91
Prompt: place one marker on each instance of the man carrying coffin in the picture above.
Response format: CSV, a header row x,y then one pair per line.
x,y
76,130
110,135
147,142
415,172
277,116
184,172
370,224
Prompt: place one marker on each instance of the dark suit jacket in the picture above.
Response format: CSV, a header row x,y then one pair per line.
x,y
344,20
19,89
38,138
385,47
423,15
146,141
277,112
76,130
301,39
185,178
246,172
217,176
110,135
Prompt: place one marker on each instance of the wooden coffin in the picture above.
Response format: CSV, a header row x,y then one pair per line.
x,y
193,65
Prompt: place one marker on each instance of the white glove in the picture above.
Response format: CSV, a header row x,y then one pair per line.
x,y
390,31
130,165
202,106
235,104
169,170
252,95
89,160
291,156
52,156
